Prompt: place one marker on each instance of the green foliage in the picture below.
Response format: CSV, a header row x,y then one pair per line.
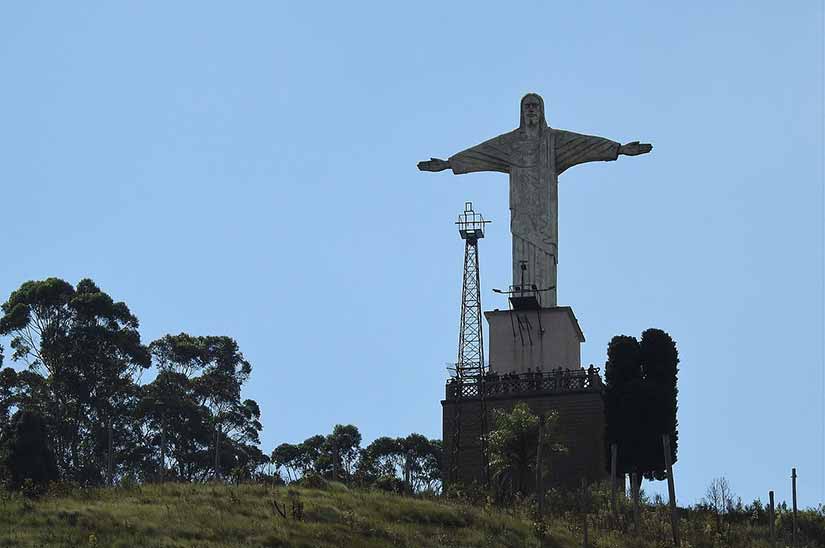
x,y
414,461
195,405
286,456
345,441
312,480
513,444
84,358
83,350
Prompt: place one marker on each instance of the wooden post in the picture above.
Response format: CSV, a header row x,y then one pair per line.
x,y
540,469
671,491
634,487
771,517
614,455
793,489
408,471
585,509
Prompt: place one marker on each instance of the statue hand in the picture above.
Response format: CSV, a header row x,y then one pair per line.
x,y
635,148
434,164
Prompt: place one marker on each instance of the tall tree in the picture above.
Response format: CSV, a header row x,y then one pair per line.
x,y
381,458
389,458
660,367
175,427
287,456
640,401
198,395
422,459
622,397
86,348
345,441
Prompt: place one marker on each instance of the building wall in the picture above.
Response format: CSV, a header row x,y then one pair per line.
x,y
530,339
580,429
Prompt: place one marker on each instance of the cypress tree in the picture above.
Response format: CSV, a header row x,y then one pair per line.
x,y
29,456
623,375
659,363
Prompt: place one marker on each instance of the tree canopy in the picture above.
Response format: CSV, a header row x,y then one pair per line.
x,y
641,401
76,407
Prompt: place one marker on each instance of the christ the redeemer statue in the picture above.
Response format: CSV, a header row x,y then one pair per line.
x,y
535,155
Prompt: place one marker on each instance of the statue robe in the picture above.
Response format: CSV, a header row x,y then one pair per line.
x,y
534,164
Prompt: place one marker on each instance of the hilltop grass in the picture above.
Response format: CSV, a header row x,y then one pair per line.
x,y
219,515
191,515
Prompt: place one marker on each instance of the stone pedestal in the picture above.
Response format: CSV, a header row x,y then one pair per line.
x,y
545,338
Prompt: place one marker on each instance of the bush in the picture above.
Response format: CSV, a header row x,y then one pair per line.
x,y
389,483
312,480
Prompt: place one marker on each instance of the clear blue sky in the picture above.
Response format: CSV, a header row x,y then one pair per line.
x,y
249,170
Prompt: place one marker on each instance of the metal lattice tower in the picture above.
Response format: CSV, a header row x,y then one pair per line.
x,y
470,365
470,336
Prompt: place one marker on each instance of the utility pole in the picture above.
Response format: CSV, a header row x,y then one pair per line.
x,y
793,488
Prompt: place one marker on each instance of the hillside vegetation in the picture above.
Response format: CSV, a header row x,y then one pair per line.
x,y
218,515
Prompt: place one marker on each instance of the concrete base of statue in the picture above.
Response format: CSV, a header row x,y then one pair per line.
x,y
541,338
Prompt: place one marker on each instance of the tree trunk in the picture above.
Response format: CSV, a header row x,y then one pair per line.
x,y
671,491
110,452
635,486
163,447
217,451
540,469
614,455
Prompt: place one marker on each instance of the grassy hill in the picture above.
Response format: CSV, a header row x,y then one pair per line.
x,y
213,515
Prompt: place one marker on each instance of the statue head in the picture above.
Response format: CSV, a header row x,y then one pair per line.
x,y
532,112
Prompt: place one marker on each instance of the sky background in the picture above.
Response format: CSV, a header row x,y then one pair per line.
x,y
249,170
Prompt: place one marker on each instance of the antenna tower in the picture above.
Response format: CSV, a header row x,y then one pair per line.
x,y
470,365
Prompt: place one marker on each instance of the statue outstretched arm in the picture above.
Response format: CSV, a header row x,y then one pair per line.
x,y
575,148
492,155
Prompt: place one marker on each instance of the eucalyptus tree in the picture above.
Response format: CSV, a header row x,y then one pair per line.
x,y
86,350
196,400
286,456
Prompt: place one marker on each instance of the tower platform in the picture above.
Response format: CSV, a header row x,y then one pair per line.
x,y
534,339
575,394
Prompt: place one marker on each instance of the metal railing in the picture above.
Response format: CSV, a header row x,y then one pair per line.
x,y
557,381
